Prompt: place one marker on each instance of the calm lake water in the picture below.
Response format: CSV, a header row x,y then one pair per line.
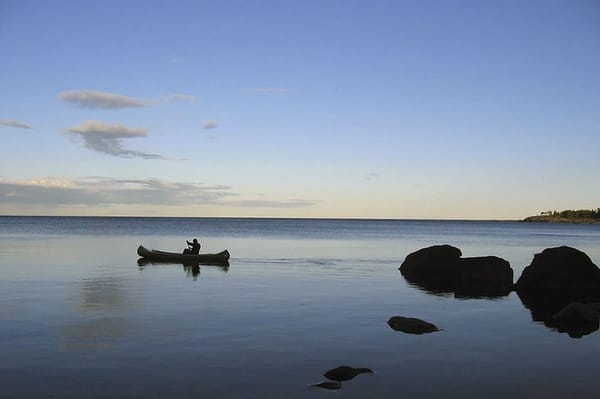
x,y
80,319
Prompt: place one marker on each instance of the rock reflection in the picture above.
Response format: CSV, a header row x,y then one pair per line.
x,y
446,285
339,375
544,308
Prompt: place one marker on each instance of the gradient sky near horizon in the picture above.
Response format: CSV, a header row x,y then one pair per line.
x,y
366,109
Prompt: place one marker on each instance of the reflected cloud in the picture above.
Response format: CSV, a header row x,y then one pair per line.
x,y
103,293
95,334
99,299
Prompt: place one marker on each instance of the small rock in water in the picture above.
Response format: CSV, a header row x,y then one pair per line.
x,y
345,373
411,325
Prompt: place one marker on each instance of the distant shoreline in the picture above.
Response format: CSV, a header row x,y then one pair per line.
x,y
558,219
575,216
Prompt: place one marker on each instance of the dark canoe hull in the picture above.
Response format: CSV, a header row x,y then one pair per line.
x,y
221,258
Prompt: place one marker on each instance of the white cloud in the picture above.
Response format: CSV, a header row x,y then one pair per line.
x,y
106,138
13,123
211,124
103,100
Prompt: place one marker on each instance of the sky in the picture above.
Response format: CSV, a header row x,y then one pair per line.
x,y
312,109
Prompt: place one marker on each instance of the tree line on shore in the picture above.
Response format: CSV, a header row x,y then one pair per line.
x,y
578,215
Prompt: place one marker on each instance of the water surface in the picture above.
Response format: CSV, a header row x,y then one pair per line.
x,y
81,319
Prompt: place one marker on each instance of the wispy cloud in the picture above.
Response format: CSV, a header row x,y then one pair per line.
x,y
173,98
13,123
291,203
211,124
106,138
372,176
104,191
102,100
272,90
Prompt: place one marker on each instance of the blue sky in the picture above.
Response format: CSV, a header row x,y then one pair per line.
x,y
367,109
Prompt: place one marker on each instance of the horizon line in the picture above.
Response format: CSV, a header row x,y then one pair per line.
x,y
273,218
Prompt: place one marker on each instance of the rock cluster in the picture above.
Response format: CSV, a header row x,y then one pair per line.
x,y
561,287
441,269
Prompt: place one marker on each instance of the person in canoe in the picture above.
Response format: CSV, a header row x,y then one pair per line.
x,y
193,247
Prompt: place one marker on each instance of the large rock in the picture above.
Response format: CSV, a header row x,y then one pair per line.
x,y
560,270
486,276
435,259
440,269
555,278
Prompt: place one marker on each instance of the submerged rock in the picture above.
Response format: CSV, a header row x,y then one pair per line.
x,y
411,325
556,278
440,269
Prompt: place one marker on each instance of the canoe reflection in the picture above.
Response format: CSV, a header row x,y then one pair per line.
x,y
192,269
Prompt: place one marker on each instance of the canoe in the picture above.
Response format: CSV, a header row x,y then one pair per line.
x,y
221,258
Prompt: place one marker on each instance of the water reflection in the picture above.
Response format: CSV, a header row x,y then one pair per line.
x,y
543,309
102,293
191,269
341,374
101,300
94,334
444,285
